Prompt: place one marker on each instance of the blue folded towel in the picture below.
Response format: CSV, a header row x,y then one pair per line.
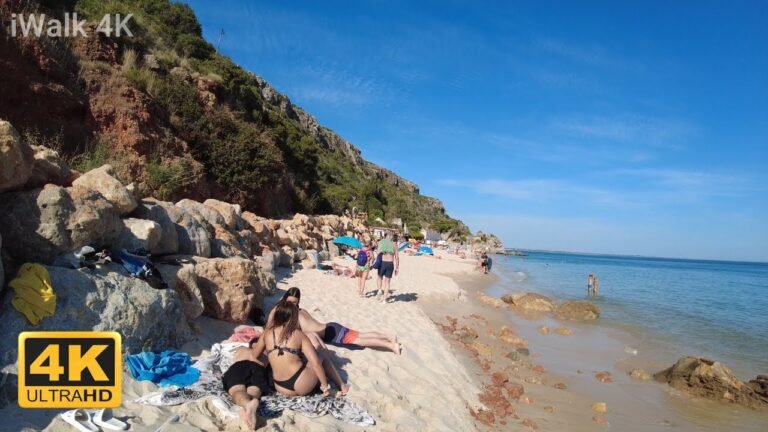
x,y
165,368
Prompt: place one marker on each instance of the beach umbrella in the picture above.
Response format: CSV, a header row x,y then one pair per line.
x,y
426,250
348,241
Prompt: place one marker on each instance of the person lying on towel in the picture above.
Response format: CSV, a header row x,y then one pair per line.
x,y
246,380
334,333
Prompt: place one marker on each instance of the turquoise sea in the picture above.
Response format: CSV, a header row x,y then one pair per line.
x,y
716,309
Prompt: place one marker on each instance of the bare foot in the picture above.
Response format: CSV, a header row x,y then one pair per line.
x,y
392,338
248,414
396,348
344,390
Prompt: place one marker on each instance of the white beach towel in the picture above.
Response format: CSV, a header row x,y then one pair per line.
x,y
209,386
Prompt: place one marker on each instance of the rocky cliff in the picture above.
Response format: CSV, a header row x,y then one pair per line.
x,y
181,121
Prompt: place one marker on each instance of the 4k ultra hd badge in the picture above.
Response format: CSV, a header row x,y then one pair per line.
x,y
70,370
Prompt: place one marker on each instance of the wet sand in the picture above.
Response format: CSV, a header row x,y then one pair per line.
x,y
574,360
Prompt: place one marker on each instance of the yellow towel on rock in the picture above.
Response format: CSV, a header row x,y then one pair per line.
x,y
34,293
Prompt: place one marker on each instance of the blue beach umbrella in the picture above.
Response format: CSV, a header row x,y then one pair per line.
x,y
348,241
426,250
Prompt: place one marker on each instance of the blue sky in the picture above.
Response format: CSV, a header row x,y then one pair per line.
x,y
605,127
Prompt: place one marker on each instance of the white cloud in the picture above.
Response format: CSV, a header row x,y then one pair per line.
x,y
630,129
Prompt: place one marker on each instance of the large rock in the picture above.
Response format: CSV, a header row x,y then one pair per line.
x,y
139,234
202,213
259,227
169,239
231,213
286,257
103,180
226,244
230,287
760,386
40,224
577,310
104,299
712,380
533,302
191,235
183,280
16,158
48,167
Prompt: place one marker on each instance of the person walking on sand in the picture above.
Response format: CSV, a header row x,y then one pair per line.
x,y
390,263
298,369
335,333
364,258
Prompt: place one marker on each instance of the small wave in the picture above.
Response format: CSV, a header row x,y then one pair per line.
x,y
520,276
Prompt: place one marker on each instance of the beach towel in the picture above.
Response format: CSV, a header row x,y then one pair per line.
x,y
165,368
244,334
209,386
34,293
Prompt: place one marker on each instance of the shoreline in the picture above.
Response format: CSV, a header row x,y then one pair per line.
x,y
448,377
633,405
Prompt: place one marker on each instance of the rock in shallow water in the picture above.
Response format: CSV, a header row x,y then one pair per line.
x,y
533,302
713,380
577,310
640,375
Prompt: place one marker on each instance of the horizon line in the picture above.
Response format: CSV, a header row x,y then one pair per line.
x,y
636,256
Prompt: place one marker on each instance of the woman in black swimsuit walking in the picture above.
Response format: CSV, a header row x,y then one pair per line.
x,y
297,368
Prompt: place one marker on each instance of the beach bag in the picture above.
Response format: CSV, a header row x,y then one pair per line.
x,y
362,258
377,263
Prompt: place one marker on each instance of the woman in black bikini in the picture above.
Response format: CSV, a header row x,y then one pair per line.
x,y
297,368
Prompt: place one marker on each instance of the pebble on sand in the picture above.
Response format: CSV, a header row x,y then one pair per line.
x,y
604,377
600,407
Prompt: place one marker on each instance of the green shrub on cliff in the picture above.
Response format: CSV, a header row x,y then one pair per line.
x,y
247,144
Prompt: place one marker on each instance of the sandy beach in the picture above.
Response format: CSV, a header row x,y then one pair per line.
x,y
459,369
424,388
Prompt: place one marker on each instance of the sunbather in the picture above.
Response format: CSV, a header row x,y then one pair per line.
x,y
298,369
246,380
335,333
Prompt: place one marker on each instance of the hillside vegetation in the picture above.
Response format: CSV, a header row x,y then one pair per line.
x,y
181,120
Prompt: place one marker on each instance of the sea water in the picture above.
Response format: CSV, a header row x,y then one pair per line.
x,y
714,309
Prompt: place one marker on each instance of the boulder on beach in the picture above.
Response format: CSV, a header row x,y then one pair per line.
x,y
231,213
202,213
16,158
48,167
151,209
103,181
231,287
138,234
533,302
104,299
183,280
577,310
713,380
192,237
40,224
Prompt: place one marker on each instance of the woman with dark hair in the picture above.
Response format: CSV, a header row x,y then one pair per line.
x,y
335,333
297,368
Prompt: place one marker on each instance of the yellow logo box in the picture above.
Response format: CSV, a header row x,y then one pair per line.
x,y
70,370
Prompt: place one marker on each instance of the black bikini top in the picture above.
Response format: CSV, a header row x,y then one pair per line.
x,y
282,349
